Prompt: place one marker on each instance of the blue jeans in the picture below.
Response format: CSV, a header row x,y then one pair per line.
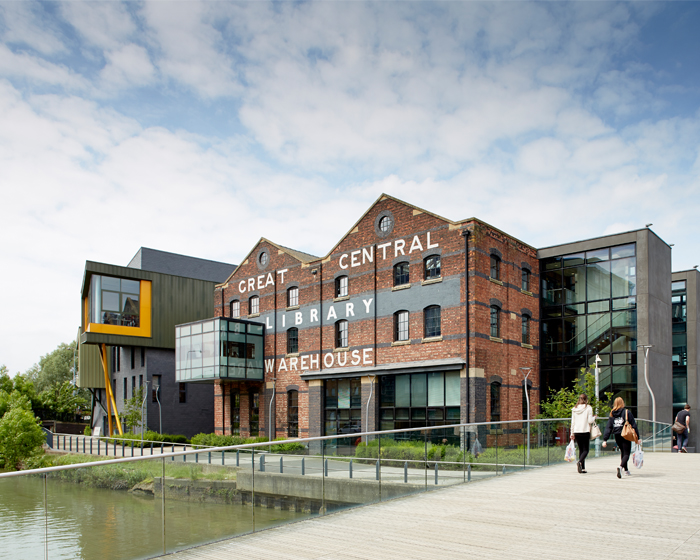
x,y
682,440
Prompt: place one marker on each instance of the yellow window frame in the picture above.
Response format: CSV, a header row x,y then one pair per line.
x,y
144,317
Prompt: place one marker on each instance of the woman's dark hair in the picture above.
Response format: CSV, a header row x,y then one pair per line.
x,y
582,399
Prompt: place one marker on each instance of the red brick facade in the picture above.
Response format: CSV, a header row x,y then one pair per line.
x,y
367,255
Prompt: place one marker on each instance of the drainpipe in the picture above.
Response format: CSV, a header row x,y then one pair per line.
x,y
269,412
465,234
369,400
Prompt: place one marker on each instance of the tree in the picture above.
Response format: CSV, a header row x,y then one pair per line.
x,y
131,415
21,437
63,401
57,398
559,404
54,368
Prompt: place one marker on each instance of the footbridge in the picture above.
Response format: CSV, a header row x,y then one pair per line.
x,y
469,490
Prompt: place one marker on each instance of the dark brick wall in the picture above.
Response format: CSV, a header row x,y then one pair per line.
x,y
190,418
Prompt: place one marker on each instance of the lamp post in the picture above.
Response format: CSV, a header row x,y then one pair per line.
x,y
597,398
527,400
145,394
646,348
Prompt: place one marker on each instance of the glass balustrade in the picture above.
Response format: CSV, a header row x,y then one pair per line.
x,y
130,499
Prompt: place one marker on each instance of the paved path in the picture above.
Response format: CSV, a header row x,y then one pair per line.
x,y
549,513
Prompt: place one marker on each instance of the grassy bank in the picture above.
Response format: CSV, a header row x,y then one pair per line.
x,y
125,476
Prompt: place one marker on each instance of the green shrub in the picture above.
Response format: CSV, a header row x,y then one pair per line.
x,y
148,437
87,431
21,437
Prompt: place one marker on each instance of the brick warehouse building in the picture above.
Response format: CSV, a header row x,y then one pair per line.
x,y
373,336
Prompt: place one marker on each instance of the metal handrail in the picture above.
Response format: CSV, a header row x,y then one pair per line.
x,y
253,446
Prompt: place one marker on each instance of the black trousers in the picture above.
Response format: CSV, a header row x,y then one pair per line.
x,y
625,450
583,440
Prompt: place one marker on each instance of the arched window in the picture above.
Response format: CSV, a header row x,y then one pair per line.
x,y
495,322
341,286
253,305
495,272
431,319
292,296
235,309
495,401
525,287
341,334
292,340
400,326
526,329
401,274
432,267
293,414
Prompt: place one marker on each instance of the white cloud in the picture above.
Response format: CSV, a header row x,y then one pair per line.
x,y
127,67
106,25
37,70
190,47
23,27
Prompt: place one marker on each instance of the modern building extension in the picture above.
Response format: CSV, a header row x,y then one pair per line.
x,y
127,339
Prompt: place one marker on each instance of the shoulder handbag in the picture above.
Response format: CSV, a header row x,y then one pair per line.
x,y
678,427
628,431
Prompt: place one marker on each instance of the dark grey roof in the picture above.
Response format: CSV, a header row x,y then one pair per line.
x,y
181,265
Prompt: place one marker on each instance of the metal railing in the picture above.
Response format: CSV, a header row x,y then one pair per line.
x,y
195,496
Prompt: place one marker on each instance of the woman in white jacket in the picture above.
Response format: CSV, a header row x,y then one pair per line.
x,y
581,419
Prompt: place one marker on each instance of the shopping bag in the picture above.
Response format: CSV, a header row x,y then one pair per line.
x,y
638,457
570,454
476,448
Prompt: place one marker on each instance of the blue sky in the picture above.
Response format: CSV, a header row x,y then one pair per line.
x,y
198,127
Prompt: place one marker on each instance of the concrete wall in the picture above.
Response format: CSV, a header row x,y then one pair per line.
x,y
654,325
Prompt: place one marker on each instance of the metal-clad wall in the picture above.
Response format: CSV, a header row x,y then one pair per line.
x,y
90,371
178,300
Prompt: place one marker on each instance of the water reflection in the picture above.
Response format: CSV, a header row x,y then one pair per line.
x,y
90,523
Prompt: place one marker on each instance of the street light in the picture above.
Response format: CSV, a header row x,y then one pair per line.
x,y
145,394
646,348
527,400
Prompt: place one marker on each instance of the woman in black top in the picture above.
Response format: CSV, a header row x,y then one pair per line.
x,y
616,422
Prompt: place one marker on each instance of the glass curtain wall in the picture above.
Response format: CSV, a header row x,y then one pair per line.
x,y
680,346
588,309
416,400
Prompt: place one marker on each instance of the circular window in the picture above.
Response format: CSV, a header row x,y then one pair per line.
x,y
385,224
263,258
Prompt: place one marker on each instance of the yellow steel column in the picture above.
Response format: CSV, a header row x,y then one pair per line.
x,y
110,394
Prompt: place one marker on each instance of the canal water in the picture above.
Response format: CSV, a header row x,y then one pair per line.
x,y
96,524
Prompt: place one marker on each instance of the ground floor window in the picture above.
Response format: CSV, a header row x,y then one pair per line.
x,y
235,400
254,414
419,399
293,414
343,406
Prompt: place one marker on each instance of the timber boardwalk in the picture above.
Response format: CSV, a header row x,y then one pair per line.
x,y
542,514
